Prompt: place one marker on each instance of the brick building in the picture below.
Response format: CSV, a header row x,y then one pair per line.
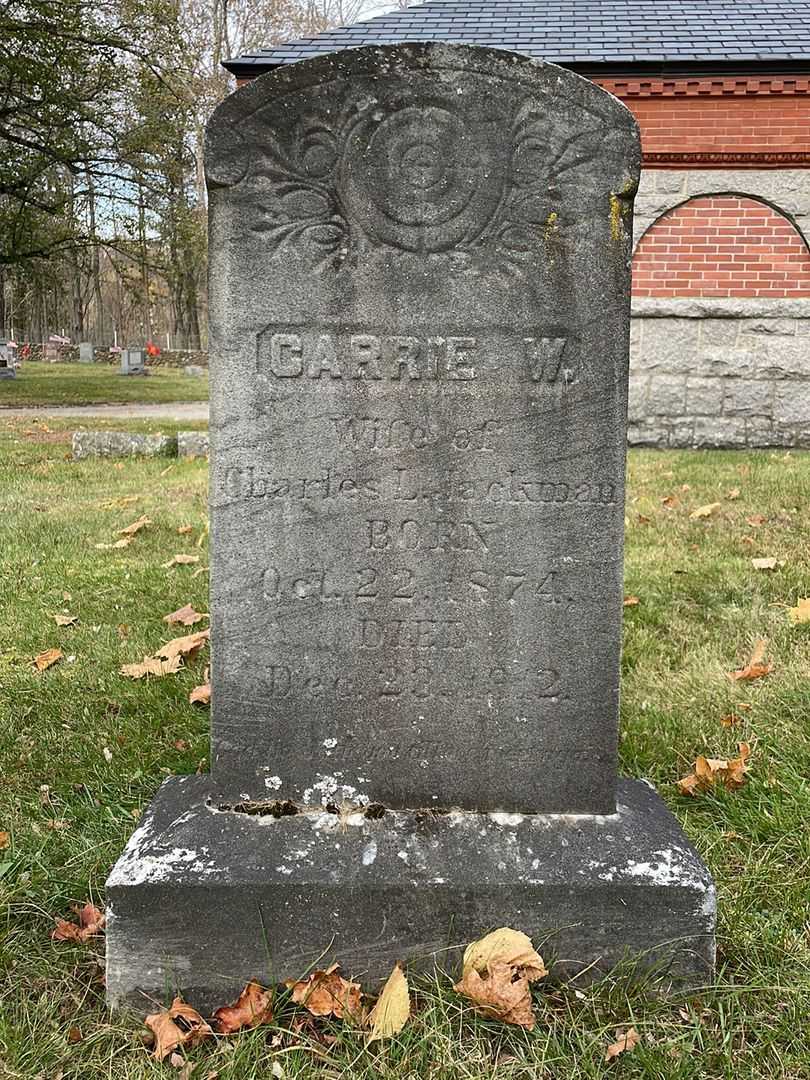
x,y
720,350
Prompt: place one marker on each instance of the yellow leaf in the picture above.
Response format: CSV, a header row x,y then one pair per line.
x,y
392,1009
705,511
800,613
47,659
496,974
65,620
625,1040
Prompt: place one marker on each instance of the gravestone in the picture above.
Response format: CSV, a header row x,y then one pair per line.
x,y
419,337
86,352
133,362
7,370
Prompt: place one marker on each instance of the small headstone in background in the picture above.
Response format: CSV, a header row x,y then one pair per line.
x,y
86,352
7,370
87,444
419,391
133,362
193,369
192,444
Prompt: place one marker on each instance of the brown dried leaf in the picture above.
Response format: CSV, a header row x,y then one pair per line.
x,y
730,720
201,695
90,922
65,620
135,527
326,993
184,530
47,659
178,1026
710,771
253,1007
669,502
631,601
705,511
800,613
756,520
734,493
186,616
755,668
151,665
188,646
496,974
180,560
625,1040
5,840
118,544
392,1009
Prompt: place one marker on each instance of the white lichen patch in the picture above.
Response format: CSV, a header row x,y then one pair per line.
x,y
272,783
330,744
369,853
331,789
667,866
507,819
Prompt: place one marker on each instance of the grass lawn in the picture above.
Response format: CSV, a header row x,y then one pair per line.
x,y
83,749
97,384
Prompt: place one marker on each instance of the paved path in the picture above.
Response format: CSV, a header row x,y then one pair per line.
x,y
179,410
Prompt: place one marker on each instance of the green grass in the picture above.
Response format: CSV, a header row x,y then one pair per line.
x,y
97,384
702,606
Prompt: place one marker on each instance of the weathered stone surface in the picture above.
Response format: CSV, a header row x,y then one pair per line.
x,y
637,399
7,370
133,362
418,391
748,397
194,370
419,329
719,431
192,444
203,899
792,402
86,352
704,397
667,395
121,444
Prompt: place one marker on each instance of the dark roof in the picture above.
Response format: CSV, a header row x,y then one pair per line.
x,y
583,34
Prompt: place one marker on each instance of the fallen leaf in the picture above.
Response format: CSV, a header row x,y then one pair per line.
x,y
74,1034
188,646
764,564
107,754
179,1025
184,530
253,1007
734,493
47,659
65,620
631,601
755,668
392,1009
800,613
152,666
643,519
710,771
5,840
705,511
180,744
326,993
756,520
180,560
625,1040
58,824
90,922
118,544
135,527
201,695
123,630
669,502
496,974
186,616
730,720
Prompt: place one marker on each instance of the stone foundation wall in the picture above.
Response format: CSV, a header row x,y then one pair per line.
x,y
724,373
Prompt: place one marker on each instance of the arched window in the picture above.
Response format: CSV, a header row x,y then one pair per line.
x,y
722,245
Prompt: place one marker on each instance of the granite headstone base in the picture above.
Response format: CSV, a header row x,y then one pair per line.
x,y
204,898
7,372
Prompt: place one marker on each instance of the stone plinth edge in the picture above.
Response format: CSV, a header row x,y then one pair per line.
x,y
204,899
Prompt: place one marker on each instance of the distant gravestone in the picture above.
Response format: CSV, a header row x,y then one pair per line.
x,y
195,370
86,352
133,362
7,370
419,331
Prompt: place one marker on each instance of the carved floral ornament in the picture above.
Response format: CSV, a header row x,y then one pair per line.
x,y
433,179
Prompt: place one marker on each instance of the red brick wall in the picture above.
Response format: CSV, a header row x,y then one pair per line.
x,y
722,246
758,122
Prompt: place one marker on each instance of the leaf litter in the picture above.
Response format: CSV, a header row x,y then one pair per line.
x,y
708,772
89,923
179,1025
756,668
496,974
